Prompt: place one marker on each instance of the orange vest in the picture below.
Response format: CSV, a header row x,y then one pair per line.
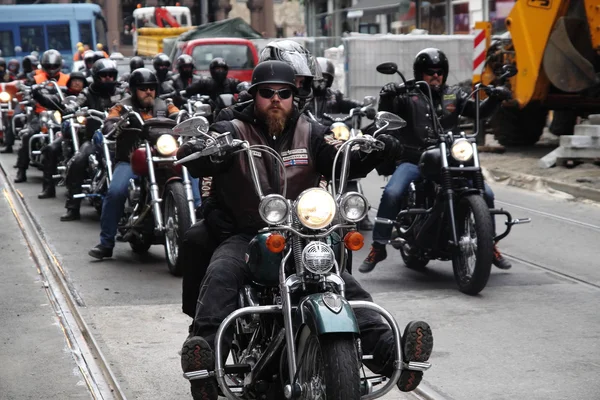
x,y
43,77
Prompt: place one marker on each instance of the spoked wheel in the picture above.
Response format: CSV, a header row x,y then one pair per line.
x,y
472,261
177,220
328,367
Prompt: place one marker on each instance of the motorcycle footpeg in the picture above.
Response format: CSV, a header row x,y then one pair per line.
x,y
201,374
519,221
416,366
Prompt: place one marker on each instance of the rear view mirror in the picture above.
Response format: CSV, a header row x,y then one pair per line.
x,y
387,68
194,126
509,70
369,100
392,120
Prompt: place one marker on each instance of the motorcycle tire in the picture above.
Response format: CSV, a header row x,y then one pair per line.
x,y
177,220
473,280
332,361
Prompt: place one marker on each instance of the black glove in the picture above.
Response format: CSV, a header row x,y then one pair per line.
x,y
69,110
391,88
500,93
190,147
370,113
393,148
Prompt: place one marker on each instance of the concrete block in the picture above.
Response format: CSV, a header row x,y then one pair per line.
x,y
586,130
580,142
549,160
570,153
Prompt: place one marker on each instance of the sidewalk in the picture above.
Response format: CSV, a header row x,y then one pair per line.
x,y
519,167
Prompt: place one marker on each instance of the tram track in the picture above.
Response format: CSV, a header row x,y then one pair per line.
x,y
65,302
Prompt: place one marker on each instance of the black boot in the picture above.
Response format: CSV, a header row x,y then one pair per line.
x,y
7,150
48,188
101,252
72,214
21,175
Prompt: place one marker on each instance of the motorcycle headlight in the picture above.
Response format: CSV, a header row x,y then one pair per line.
x,y
340,131
315,208
57,117
166,145
5,97
353,206
462,150
81,119
273,209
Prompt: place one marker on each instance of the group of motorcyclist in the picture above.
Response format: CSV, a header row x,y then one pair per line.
x,y
289,86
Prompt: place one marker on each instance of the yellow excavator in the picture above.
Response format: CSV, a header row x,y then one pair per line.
x,y
555,46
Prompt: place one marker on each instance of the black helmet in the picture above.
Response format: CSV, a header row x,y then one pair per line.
x,y
13,65
218,62
77,75
161,64
51,62
185,65
142,76
135,63
2,62
88,59
101,67
98,55
276,72
430,58
29,64
328,72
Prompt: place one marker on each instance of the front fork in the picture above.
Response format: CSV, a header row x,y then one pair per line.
x,y
448,192
189,194
154,195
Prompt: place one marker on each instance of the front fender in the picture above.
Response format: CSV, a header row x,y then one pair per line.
x,y
467,192
327,313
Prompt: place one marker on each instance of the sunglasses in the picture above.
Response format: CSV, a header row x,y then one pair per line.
x,y
431,72
267,93
146,88
106,74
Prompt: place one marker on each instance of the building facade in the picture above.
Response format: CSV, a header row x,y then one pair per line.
x,y
334,17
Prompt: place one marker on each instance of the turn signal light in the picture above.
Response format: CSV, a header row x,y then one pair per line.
x,y
44,129
275,243
354,241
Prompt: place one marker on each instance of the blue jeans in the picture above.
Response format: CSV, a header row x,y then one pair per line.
x,y
389,206
195,182
114,203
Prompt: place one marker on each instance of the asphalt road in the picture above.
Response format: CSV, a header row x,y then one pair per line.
x,y
532,333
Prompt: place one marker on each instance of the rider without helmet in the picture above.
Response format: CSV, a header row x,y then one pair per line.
x,y
51,62
101,68
135,63
185,66
218,69
161,64
141,77
428,59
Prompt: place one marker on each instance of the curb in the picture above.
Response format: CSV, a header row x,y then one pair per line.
x,y
540,184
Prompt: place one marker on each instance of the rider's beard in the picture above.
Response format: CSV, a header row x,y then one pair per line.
x,y
147,101
276,119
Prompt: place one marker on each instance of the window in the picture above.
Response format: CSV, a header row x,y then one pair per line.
x,y
184,20
237,56
85,33
32,38
59,37
100,26
7,43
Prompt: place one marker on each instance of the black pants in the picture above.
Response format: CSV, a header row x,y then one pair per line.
x,y
9,135
53,153
23,155
77,172
195,253
227,273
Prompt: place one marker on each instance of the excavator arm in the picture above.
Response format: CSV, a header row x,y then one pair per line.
x,y
164,19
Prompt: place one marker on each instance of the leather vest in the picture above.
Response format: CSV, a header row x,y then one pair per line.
x,y
300,169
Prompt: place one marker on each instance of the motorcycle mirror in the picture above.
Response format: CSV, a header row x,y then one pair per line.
x,y
509,71
194,126
393,121
387,68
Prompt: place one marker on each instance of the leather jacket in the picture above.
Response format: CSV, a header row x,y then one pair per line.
x,y
212,88
331,102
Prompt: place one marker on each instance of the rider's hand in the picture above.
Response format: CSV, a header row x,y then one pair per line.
x,y
390,88
190,147
501,93
370,112
69,110
393,148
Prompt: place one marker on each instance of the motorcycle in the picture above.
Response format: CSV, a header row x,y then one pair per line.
x,y
444,215
295,336
8,99
160,205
